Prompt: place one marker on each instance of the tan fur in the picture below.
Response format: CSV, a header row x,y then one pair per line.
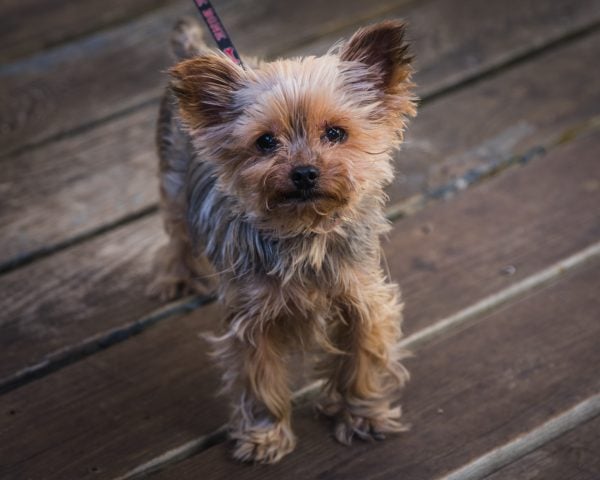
x,y
292,271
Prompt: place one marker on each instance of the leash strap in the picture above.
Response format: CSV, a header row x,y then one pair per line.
x,y
218,31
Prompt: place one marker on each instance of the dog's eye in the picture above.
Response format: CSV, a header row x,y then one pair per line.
x,y
267,143
335,134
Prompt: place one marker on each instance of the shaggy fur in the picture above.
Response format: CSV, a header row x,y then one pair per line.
x,y
291,269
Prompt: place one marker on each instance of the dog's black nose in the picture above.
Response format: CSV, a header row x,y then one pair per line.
x,y
305,177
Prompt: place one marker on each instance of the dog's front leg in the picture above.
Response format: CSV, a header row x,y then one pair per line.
x,y
257,374
363,379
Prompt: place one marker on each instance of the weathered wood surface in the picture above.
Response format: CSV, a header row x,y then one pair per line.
x,y
76,185
469,393
573,456
169,356
100,417
498,233
27,26
499,25
107,173
510,114
68,297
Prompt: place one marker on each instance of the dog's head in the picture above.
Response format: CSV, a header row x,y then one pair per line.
x,y
299,142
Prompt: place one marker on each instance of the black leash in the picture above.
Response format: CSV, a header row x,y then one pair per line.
x,y
218,31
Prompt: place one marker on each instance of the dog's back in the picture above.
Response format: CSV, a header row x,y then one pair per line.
x,y
177,264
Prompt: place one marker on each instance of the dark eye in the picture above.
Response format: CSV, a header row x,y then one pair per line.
x,y
267,143
335,134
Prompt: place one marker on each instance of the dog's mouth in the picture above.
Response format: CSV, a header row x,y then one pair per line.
x,y
305,203
309,198
314,210
303,196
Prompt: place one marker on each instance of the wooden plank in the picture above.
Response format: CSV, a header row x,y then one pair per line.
x,y
28,25
573,456
77,185
100,176
499,25
82,82
499,233
59,302
512,113
469,393
146,360
455,41
101,416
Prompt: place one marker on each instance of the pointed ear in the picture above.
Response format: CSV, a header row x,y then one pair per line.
x,y
381,46
205,88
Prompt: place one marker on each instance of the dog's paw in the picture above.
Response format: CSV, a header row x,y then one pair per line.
x,y
263,444
166,288
364,423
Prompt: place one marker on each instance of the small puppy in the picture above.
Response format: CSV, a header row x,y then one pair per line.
x,y
272,182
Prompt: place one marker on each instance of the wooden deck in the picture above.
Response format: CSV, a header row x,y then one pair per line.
x,y
496,245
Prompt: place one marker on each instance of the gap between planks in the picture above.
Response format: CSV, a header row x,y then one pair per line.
x,y
482,172
68,355
101,341
466,317
26,259
507,63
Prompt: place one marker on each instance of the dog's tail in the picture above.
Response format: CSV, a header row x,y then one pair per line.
x,y
187,40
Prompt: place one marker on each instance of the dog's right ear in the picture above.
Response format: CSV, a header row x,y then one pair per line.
x,y
205,88
381,46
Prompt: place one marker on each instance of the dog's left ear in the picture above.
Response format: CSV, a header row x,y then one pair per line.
x,y
381,46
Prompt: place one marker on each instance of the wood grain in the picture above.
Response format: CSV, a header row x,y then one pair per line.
x,y
162,368
86,181
573,456
27,26
469,393
102,416
79,83
455,41
77,185
62,300
498,233
510,114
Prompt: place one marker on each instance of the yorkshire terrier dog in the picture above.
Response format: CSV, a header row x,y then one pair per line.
x,y
272,182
